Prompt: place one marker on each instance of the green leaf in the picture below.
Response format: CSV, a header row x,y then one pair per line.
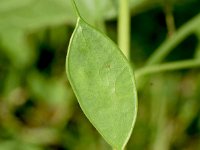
x,y
103,83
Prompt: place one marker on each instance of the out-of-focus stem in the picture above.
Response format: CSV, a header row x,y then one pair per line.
x,y
170,43
167,67
124,27
169,18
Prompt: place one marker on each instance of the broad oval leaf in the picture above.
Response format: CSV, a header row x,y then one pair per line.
x,y
103,83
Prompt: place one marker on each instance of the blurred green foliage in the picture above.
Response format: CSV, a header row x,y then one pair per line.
x,y
38,110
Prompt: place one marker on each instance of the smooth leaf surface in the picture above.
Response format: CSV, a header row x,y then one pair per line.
x,y
103,83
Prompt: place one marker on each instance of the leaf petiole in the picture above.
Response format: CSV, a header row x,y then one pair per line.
x,y
76,8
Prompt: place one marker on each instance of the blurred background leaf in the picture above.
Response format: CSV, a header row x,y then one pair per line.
x,y
38,110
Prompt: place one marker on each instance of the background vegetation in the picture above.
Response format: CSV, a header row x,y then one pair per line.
x,y
38,110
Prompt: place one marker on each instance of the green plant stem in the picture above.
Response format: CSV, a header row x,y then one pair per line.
x,y
172,42
167,67
76,8
197,51
169,18
124,27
